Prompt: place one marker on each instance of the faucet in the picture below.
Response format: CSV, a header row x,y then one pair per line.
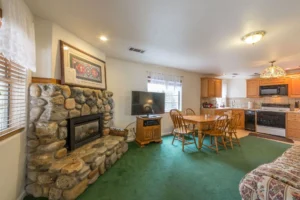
x,y
214,102
233,104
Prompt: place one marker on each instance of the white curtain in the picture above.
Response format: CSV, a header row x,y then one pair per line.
x,y
170,81
170,85
17,39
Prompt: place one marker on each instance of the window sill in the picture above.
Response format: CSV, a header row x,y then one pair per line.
x,y
10,134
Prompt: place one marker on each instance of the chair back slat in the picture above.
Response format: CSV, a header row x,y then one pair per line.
x,y
177,120
234,122
189,111
220,124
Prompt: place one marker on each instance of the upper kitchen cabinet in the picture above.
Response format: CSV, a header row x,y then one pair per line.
x,y
294,87
274,81
211,87
253,88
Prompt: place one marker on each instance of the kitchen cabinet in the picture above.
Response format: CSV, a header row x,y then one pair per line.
x,y
241,112
207,111
253,88
211,87
218,88
294,87
222,111
274,81
293,125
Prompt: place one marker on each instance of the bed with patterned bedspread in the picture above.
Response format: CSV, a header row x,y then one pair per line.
x,y
278,180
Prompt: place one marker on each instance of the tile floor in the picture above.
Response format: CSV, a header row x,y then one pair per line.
x,y
243,133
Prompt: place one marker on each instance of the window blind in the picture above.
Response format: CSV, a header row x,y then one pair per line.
x,y
170,85
12,96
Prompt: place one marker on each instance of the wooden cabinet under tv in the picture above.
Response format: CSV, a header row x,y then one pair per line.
x,y
148,130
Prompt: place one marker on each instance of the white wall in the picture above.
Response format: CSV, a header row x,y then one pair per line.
x,y
12,167
48,36
125,76
236,88
43,44
58,33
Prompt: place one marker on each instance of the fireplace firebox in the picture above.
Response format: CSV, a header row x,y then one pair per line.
x,y
84,129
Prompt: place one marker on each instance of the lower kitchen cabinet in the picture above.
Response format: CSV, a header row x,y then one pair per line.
x,y
241,112
207,111
212,111
293,125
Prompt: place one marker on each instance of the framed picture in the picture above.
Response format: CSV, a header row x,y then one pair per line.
x,y
79,68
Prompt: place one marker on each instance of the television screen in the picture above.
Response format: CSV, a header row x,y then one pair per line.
x,y
145,103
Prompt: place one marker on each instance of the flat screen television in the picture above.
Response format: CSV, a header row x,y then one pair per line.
x,y
147,103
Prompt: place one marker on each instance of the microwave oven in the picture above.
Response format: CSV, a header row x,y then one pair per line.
x,y
273,90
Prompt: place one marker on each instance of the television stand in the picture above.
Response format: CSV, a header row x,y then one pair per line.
x,y
148,129
149,116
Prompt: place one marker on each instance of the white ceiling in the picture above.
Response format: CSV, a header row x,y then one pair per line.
x,y
195,35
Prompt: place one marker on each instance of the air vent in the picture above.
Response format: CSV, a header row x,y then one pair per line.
x,y
255,74
235,74
136,50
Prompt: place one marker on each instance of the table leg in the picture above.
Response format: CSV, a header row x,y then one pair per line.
x,y
200,135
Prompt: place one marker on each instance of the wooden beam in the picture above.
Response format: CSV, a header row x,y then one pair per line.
x,y
45,80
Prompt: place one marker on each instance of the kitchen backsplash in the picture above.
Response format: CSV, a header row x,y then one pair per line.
x,y
243,102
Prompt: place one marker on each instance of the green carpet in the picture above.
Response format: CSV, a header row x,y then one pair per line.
x,y
164,172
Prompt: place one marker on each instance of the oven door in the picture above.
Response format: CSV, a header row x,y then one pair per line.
x,y
271,119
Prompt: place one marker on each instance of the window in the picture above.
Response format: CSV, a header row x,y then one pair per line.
x,y
170,85
12,96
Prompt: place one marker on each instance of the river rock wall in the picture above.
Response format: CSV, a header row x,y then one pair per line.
x,y
52,171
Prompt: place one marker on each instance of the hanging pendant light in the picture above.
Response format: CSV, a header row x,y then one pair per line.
x,y
273,71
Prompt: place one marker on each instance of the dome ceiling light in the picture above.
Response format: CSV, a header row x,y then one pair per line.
x,y
253,37
273,71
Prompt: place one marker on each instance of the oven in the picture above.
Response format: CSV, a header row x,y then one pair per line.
x,y
273,90
271,122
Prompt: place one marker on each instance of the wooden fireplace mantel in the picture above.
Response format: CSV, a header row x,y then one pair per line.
x,y
45,80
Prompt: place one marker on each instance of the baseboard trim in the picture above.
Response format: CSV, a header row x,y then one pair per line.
x,y
166,134
22,195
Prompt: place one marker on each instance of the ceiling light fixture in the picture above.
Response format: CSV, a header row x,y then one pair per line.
x,y
103,38
253,37
273,71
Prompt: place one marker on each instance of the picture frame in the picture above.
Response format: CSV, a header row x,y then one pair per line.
x,y
79,68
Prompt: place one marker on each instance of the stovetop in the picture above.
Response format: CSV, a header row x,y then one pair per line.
x,y
275,107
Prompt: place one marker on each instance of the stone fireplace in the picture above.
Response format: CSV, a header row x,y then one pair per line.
x,y
68,141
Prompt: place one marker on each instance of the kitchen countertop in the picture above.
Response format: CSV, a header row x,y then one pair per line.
x,y
230,108
254,109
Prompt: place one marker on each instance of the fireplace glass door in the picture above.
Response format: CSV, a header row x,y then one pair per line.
x,y
84,129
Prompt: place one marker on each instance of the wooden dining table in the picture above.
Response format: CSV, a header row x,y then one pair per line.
x,y
200,121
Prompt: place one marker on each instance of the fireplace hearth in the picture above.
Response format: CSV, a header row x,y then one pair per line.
x,y
84,129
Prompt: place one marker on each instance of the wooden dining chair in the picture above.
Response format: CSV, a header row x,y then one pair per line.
x,y
232,129
189,111
181,129
217,131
